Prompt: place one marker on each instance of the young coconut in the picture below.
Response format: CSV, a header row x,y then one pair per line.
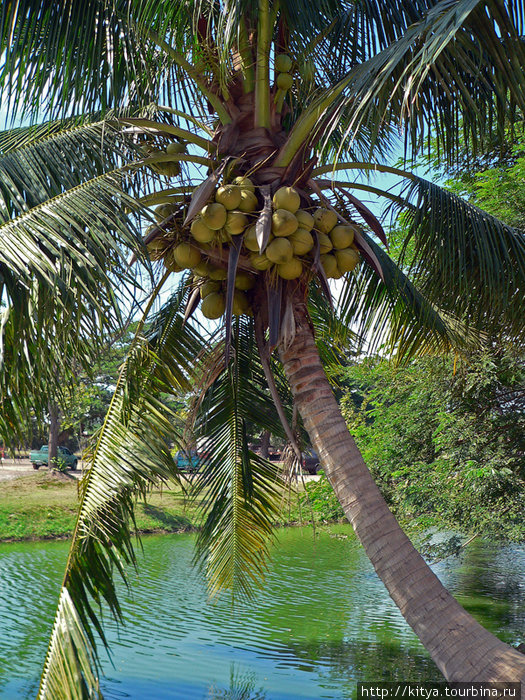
x,y
156,248
213,305
325,244
201,232
186,255
209,287
229,196
305,219
284,223
260,262
240,303
218,273
214,215
236,222
329,264
342,236
250,239
302,241
248,201
244,183
175,147
286,198
290,270
279,251
283,63
325,220
347,259
202,269
244,281
170,263
284,81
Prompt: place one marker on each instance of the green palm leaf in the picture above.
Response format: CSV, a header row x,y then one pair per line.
x,y
242,489
130,454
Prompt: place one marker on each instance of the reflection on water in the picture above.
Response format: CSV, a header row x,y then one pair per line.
x,y
323,622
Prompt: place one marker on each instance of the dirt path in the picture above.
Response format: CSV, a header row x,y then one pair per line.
x,y
15,468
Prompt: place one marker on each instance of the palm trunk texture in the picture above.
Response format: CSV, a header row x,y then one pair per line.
x,y
461,648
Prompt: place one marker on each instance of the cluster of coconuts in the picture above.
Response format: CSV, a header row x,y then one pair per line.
x,y
234,212
168,168
283,66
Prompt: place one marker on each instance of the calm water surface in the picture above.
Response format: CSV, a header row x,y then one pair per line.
x,y
323,622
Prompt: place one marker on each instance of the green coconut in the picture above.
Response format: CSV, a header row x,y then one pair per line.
x,y
240,303
325,244
236,222
244,281
347,259
290,270
286,198
342,236
302,241
260,262
214,215
284,81
169,168
284,223
213,305
208,287
307,70
229,196
305,219
223,236
186,255
170,263
175,147
218,273
279,251
283,63
244,183
250,239
248,201
325,220
156,248
329,264
202,269
163,211
201,232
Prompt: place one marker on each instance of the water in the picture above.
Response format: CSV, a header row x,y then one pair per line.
x,y
323,623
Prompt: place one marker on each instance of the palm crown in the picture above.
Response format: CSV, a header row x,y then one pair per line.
x,y
235,120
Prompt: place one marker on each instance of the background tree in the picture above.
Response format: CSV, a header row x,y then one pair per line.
x,y
271,100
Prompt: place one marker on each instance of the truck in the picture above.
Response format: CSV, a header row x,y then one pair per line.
x,y
39,457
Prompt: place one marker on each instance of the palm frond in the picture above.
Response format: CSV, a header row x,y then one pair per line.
x,y
130,454
395,316
466,260
241,489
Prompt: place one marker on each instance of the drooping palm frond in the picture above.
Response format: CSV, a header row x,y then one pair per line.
x,y
130,454
393,314
466,260
241,489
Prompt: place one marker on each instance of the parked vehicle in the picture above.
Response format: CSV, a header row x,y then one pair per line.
x,y
188,461
39,458
310,462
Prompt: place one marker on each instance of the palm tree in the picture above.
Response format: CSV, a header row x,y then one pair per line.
x,y
234,119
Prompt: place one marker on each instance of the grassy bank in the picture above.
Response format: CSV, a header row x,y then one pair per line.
x,y
43,506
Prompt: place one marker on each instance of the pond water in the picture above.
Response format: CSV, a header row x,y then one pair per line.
x,y
323,622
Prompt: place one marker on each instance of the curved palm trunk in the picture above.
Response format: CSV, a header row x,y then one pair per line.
x,y
461,648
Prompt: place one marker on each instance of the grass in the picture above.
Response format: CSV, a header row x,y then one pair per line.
x,y
44,506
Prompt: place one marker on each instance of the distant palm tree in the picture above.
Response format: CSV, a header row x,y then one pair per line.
x,y
234,120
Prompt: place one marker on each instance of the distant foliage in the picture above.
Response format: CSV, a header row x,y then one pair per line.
x,y
445,447
323,501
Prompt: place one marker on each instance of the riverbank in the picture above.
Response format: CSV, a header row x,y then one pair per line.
x,y
43,506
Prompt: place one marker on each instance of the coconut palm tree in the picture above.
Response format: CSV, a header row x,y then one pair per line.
x,y
246,125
